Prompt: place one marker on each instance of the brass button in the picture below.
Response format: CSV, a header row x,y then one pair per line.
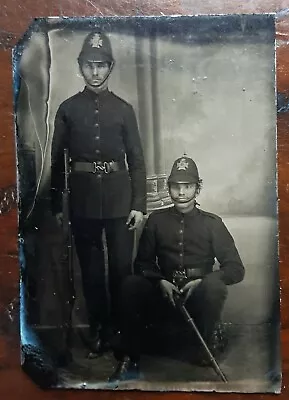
x,y
96,137
181,231
96,125
97,151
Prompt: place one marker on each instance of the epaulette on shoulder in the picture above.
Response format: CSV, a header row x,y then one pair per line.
x,y
71,99
211,215
120,99
161,211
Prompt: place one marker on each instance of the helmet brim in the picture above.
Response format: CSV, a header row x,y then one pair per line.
x,y
95,57
181,179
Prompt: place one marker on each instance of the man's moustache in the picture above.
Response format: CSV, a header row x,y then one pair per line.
x,y
183,201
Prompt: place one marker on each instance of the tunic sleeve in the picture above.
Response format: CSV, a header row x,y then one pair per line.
x,y
146,260
231,267
59,142
135,160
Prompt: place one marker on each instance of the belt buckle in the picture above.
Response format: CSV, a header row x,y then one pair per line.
x,y
106,167
94,167
103,168
179,276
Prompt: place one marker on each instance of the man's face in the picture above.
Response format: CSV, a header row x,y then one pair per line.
x,y
95,72
183,195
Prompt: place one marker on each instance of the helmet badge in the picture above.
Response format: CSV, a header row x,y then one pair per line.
x,y
96,41
182,165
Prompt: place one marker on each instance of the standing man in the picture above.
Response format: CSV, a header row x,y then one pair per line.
x,y
176,254
107,181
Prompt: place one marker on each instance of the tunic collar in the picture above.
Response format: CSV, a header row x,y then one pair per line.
x,y
93,95
192,213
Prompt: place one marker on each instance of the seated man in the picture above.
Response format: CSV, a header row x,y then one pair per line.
x,y
176,254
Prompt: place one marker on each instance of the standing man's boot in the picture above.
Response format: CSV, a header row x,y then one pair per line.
x,y
125,370
98,343
95,342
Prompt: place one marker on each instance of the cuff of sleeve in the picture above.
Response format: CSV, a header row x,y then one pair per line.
x,y
216,275
153,275
229,276
139,205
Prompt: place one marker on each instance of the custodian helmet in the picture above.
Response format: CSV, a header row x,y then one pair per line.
x,y
184,170
96,47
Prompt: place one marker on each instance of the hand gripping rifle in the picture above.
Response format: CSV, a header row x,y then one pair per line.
x,y
180,304
68,250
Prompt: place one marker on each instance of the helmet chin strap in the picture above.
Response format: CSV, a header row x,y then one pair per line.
x,y
188,201
99,87
108,74
193,204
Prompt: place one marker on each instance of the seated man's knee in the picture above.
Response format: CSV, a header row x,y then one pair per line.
x,y
214,288
134,285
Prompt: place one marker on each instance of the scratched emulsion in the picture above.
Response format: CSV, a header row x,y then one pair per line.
x,y
7,199
28,338
35,361
26,334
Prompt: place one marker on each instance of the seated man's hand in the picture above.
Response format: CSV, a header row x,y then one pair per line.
x,y
189,287
169,290
134,220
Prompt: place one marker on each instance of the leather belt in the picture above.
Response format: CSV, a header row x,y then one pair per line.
x,y
105,167
195,273
188,273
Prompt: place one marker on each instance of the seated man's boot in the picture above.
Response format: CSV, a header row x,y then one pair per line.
x,y
125,370
202,359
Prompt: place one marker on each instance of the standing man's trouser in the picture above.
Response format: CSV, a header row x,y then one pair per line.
x,y
90,250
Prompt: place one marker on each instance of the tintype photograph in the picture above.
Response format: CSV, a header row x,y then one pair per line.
x,y
147,192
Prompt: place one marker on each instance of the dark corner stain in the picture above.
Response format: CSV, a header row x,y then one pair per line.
x,y
7,39
282,103
8,199
39,366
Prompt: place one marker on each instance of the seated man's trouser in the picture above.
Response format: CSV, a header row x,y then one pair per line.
x,y
142,305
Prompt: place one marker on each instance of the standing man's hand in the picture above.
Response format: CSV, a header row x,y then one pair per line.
x,y
134,220
59,218
169,290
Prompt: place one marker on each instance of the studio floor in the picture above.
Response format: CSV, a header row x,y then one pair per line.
x,y
250,363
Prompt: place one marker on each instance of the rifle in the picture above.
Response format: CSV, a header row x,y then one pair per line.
x,y
67,260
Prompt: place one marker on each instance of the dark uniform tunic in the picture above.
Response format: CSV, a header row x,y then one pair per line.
x,y
172,243
188,243
97,128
